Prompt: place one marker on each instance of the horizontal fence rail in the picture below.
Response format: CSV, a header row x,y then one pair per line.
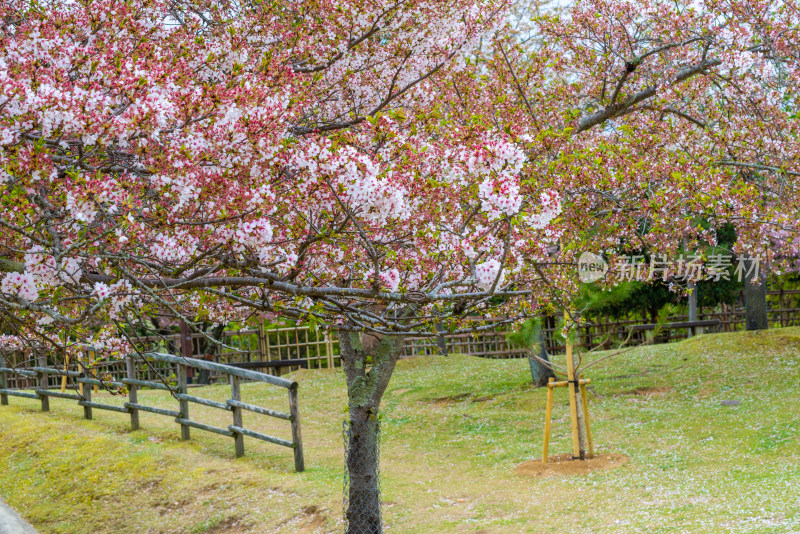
x,y
41,373
274,351
783,310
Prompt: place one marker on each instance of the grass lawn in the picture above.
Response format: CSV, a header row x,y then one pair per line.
x,y
453,431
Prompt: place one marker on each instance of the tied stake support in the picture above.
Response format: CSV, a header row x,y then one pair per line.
x,y
581,384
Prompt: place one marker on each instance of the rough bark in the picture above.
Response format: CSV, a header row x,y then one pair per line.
x,y
539,361
364,506
755,299
368,366
441,340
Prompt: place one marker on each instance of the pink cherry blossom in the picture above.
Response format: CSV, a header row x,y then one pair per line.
x,y
486,273
101,291
22,285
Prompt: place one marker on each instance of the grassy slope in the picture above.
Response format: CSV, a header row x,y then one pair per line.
x,y
696,466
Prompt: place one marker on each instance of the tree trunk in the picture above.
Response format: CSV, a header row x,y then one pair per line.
x,y
441,341
755,298
364,498
582,443
368,366
539,362
692,305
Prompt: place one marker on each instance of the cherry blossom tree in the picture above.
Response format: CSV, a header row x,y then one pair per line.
x,y
662,121
377,169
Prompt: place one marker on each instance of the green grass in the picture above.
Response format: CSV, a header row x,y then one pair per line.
x,y
453,431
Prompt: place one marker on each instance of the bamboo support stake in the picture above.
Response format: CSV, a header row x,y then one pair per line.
x,y
586,418
94,372
64,378
573,408
547,418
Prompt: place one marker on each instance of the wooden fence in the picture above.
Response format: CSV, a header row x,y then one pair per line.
x,y
126,373
486,344
275,351
783,310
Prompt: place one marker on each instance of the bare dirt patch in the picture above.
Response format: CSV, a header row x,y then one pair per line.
x,y
310,519
705,391
563,464
450,399
660,390
461,397
170,507
232,525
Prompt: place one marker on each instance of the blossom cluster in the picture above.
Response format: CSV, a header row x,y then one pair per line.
x,y
45,270
22,285
389,279
254,234
487,272
500,162
550,209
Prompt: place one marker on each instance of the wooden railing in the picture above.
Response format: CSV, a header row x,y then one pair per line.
x,y
486,344
270,350
278,350
783,311
275,351
42,374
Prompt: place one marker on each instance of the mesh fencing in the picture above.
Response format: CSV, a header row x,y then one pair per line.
x,y
362,489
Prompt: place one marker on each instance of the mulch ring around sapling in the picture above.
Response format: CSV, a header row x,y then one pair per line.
x,y
563,464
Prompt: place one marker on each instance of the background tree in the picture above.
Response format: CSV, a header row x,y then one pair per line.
x,y
531,336
635,298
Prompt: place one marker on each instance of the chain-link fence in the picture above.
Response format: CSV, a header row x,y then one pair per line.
x,y
362,488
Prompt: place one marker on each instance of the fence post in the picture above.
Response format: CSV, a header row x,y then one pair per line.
x,y
41,361
268,349
132,392
261,352
87,395
297,439
184,404
3,382
93,371
236,394
328,350
81,368
187,349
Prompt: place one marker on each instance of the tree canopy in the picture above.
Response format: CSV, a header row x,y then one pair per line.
x,y
370,167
